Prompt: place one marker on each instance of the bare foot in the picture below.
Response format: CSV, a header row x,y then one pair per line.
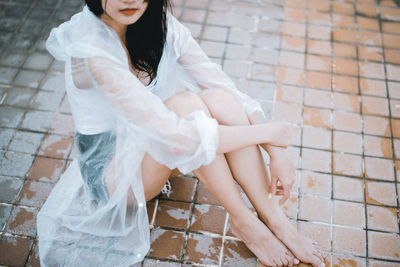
x,y
304,248
280,133
259,239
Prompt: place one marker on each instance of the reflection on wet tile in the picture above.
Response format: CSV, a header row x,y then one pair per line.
x,y
166,244
203,249
183,189
208,218
14,251
237,254
22,222
172,214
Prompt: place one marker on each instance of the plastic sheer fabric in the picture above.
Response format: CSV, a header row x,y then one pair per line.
x,y
96,214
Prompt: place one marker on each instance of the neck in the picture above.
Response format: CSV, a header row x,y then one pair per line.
x,y
119,28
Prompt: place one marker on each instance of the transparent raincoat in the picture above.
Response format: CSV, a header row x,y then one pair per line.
x,y
96,214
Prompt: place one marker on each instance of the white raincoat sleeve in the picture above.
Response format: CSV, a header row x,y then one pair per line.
x,y
184,143
207,74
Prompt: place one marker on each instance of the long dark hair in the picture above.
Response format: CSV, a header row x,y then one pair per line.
x,y
145,38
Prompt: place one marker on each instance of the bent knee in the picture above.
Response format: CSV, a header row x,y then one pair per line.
x,y
219,96
185,102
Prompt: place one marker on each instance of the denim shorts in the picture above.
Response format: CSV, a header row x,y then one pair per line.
x,y
95,154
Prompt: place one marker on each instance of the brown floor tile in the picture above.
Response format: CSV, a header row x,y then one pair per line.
x,y
377,263
345,84
290,94
317,98
393,72
347,142
320,6
381,218
319,63
384,246
34,260
237,254
319,47
392,56
287,112
370,53
203,249
183,189
62,124
391,40
366,9
208,218
293,29
55,146
319,32
378,146
343,8
346,164
395,128
375,106
370,38
316,183
292,14
376,126
391,27
344,50
291,76
381,169
14,250
348,213
367,24
315,209
389,13
22,221
166,244
346,67
371,70
349,241
346,121
172,214
347,188
316,160
34,193
347,261
346,102
291,59
317,232
318,80
46,170
380,193
319,18
293,43
344,35
317,117
343,21
316,138
204,196
372,87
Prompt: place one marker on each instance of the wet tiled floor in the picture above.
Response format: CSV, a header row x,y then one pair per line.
x,y
332,68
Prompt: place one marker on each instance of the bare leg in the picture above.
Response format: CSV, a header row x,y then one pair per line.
x,y
249,170
218,179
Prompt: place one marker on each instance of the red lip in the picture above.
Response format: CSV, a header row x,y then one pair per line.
x,y
128,11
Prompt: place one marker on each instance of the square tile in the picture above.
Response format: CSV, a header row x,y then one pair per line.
x,y
319,32
38,61
193,15
5,212
213,49
55,146
34,193
287,112
47,100
346,102
345,84
294,29
53,82
344,35
320,233
346,164
22,221
26,142
291,76
348,261
46,169
183,189
343,8
62,124
37,120
173,214
263,72
314,208
316,160
346,67
15,164
319,63
318,80
203,249
370,24
380,193
371,70
346,121
317,117
369,38
316,183
347,188
372,87
382,219
317,138
14,251
344,50
166,244
293,43
349,214
378,146
317,98
395,128
10,117
28,78
376,126
383,245
203,196
381,169
347,142
392,56
208,218
5,137
19,97
370,53
375,106
349,241
9,188
236,253
291,59
343,21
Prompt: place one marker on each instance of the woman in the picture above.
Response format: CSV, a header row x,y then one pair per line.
x,y
129,66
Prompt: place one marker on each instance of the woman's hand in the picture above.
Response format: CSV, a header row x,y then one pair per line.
x,y
282,172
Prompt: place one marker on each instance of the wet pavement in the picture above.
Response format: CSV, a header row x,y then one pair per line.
x,y
332,68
